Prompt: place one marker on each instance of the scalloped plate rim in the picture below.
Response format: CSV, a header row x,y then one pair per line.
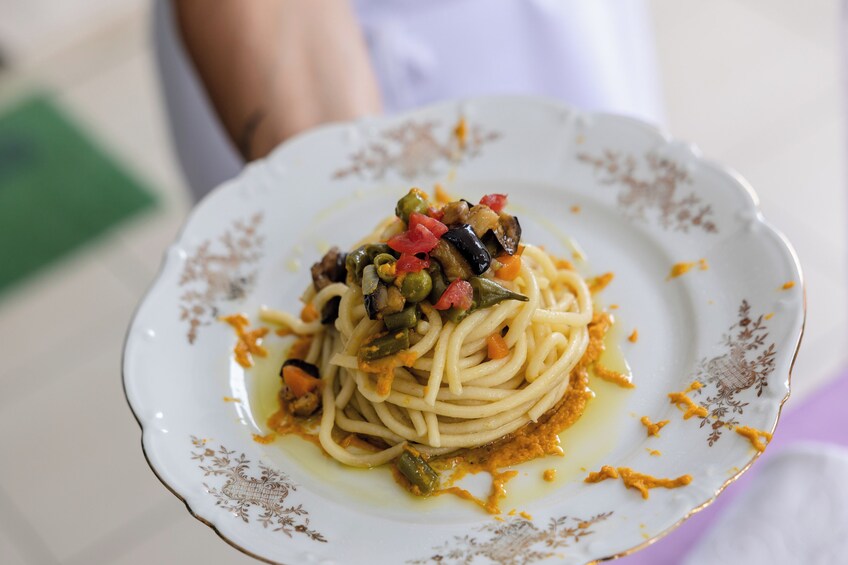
x,y
738,181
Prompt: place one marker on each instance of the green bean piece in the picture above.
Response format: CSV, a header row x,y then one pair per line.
x,y
417,471
488,293
438,280
374,249
413,201
454,265
385,264
385,345
355,263
406,319
370,280
416,286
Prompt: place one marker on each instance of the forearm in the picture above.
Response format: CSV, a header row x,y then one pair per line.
x,y
273,68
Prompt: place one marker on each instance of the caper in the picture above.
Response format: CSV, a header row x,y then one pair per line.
x,y
413,201
416,286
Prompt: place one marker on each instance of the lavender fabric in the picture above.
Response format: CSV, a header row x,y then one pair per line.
x,y
822,418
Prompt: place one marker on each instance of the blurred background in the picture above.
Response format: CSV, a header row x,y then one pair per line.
x,y
90,190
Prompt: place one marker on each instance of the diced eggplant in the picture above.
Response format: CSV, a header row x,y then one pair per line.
x,y
330,311
330,269
307,403
455,213
304,406
481,218
454,265
394,301
470,247
308,368
508,233
376,302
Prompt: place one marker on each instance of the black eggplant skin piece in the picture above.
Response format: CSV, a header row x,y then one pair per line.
x,y
470,247
330,311
308,368
330,269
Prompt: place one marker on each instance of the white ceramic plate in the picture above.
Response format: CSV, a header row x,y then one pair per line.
x,y
645,203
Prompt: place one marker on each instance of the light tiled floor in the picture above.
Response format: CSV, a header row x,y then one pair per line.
x,y
756,83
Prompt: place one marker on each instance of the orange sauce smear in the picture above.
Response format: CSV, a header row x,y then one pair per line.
x,y
679,269
266,439
248,343
613,377
600,282
384,368
653,429
654,452
689,407
633,337
575,209
787,285
638,481
461,132
754,436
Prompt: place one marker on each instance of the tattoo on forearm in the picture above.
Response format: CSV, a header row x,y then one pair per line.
x,y
248,131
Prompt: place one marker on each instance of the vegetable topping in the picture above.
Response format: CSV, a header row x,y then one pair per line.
x,y
494,201
459,293
440,252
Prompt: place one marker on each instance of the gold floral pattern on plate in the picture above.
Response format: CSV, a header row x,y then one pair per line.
x,y
416,148
259,498
747,363
514,541
220,270
659,190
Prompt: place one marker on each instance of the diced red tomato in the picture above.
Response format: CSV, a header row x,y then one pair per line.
x,y
437,213
494,201
435,226
459,293
414,240
409,263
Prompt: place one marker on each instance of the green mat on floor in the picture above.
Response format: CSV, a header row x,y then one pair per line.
x,y
58,189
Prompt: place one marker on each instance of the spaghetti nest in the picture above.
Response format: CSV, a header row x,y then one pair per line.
x,y
445,391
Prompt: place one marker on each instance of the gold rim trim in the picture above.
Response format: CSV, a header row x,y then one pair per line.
x,y
741,182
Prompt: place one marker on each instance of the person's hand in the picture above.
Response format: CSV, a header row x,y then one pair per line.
x,y
274,68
